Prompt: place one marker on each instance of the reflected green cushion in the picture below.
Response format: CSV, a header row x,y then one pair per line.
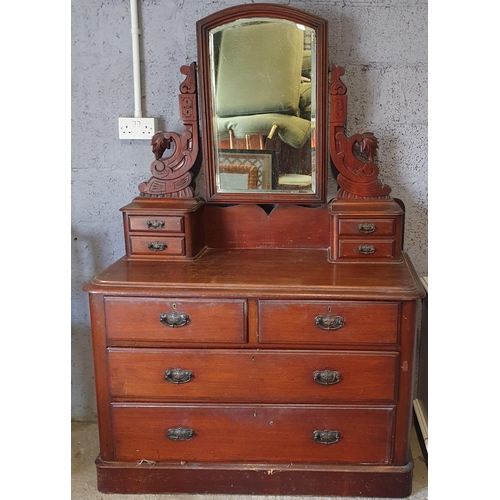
x,y
306,64
292,130
305,100
259,69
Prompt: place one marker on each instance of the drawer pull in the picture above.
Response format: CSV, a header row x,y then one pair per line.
x,y
329,322
180,434
178,376
326,377
157,246
366,227
155,224
174,319
366,249
326,437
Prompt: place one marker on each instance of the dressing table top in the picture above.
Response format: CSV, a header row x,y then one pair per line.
x,y
264,272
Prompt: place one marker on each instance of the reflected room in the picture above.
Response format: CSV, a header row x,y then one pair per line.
x,y
263,87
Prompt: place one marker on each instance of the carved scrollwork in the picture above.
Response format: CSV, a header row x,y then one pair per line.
x,y
353,156
171,176
337,86
188,86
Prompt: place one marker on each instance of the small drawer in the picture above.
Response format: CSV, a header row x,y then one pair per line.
x,y
253,434
163,375
153,223
367,249
162,245
374,227
172,320
325,322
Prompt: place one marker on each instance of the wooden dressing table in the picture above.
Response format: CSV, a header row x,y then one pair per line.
x,y
258,342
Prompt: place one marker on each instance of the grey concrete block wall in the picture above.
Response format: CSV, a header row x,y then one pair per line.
x,y
381,43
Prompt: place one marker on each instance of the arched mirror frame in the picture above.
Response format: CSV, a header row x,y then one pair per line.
x,y
209,149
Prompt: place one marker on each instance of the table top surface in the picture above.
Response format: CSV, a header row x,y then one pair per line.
x,y
262,272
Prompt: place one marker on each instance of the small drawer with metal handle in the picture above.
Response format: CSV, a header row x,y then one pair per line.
x,y
154,246
253,434
373,227
373,249
156,223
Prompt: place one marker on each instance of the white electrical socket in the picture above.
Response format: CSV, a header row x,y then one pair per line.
x,y
137,128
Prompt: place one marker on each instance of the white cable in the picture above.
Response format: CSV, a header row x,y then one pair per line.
x,y
136,59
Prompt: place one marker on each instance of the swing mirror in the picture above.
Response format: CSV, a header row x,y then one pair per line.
x,y
263,80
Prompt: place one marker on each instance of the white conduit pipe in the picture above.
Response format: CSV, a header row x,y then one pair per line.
x,y
136,59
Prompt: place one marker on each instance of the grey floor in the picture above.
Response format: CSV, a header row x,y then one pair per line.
x,y
85,448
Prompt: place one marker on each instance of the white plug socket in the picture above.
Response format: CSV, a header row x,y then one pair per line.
x,y
137,128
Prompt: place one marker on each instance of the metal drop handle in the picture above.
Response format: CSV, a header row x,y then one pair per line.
x,y
157,246
366,227
326,377
155,224
326,437
174,319
178,376
180,434
329,322
366,249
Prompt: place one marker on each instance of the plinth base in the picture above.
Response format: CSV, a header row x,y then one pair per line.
x,y
255,479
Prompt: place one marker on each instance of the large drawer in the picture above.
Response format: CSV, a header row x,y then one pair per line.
x,y
251,376
246,434
328,322
175,320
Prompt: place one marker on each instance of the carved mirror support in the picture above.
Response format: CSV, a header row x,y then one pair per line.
x,y
352,156
171,176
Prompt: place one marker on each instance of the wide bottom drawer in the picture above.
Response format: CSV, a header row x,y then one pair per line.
x,y
253,433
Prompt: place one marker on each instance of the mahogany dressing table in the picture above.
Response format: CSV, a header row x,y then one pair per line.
x,y
261,341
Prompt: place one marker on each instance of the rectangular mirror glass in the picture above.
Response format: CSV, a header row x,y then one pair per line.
x,y
264,111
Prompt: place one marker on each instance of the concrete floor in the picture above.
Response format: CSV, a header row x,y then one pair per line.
x,y
85,448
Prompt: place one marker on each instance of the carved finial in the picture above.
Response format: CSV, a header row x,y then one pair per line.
x,y
188,86
337,86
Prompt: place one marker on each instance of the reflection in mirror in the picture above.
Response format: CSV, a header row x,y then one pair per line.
x,y
263,88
